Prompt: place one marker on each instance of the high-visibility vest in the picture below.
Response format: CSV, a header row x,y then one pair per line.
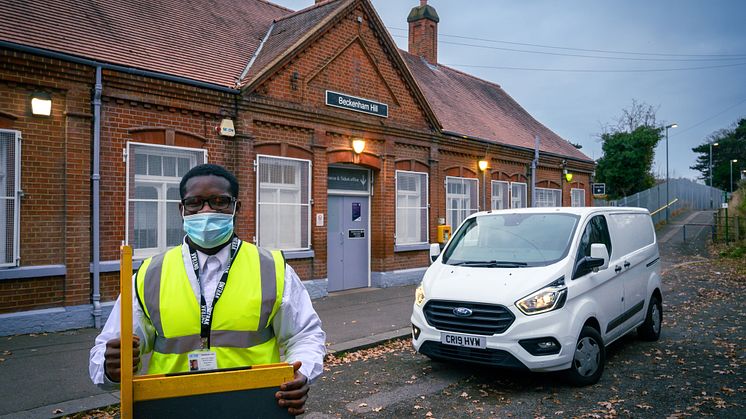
x,y
241,332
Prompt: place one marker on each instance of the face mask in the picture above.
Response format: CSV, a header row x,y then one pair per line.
x,y
209,229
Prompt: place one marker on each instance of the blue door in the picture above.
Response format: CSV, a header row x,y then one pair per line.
x,y
347,242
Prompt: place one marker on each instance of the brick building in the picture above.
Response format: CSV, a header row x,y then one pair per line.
x,y
349,152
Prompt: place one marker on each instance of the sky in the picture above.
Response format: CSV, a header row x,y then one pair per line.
x,y
574,65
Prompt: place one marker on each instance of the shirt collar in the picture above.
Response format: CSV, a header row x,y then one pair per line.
x,y
222,255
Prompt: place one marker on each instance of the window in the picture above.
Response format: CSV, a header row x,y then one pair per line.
x,y
461,199
596,231
154,172
284,203
518,195
10,192
578,197
548,197
411,207
500,198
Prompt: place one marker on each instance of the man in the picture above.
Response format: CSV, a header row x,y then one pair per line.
x,y
263,307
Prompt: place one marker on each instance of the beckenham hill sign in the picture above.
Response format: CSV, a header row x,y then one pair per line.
x,y
358,104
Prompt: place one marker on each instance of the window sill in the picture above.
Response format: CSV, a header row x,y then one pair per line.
x,y
113,265
298,254
23,272
411,247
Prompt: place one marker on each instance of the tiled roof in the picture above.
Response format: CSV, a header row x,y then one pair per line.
x,y
290,29
206,40
466,105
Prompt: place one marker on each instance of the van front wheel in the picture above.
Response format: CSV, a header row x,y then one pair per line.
x,y
650,330
588,360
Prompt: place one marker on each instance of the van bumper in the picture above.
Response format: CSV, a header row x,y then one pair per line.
x,y
504,350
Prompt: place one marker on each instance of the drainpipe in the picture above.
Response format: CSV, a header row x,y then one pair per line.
x,y
534,165
96,178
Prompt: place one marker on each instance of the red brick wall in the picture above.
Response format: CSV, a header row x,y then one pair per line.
x,y
274,119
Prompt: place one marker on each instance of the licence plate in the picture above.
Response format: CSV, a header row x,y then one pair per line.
x,y
463,340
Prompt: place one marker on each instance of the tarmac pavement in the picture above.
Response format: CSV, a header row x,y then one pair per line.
x,y
46,375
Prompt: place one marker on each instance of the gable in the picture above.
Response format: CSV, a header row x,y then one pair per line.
x,y
350,55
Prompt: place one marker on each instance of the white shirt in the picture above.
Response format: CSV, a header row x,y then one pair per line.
x,y
296,324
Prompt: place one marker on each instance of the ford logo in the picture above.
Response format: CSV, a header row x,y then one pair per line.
x,y
462,312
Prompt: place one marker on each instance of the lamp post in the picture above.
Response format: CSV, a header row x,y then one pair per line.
x,y
711,145
731,174
667,197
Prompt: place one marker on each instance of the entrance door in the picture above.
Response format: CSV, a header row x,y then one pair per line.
x,y
347,242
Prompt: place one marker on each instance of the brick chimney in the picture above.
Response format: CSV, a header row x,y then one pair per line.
x,y
423,32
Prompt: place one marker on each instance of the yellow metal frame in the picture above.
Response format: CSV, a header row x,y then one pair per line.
x,y
153,387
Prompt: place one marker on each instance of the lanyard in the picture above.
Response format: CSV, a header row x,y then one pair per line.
x,y
206,315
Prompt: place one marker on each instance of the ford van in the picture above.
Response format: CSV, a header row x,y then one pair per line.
x,y
542,289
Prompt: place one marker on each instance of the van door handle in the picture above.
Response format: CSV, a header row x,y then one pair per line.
x,y
627,264
618,269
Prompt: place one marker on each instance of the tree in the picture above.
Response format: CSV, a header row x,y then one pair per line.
x,y
629,149
626,167
731,145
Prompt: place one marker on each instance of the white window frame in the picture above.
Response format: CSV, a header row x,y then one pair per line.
x,y
504,186
309,174
14,250
473,206
155,181
523,203
577,201
407,240
548,197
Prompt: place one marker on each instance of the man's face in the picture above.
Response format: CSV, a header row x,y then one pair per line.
x,y
208,194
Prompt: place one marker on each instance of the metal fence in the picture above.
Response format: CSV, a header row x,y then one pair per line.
x,y
683,194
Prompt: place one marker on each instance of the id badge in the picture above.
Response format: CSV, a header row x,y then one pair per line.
x,y
202,361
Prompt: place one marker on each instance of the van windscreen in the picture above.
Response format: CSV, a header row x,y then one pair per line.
x,y
512,240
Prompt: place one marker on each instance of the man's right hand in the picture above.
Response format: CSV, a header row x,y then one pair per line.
x,y
113,358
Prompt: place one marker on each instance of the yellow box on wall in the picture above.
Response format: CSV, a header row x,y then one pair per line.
x,y
444,233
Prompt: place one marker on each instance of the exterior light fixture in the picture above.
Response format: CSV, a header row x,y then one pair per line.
x,y
358,145
41,104
483,165
568,175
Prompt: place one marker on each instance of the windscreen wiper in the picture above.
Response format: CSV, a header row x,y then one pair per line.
x,y
491,263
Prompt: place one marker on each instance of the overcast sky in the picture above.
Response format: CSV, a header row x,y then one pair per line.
x,y
659,37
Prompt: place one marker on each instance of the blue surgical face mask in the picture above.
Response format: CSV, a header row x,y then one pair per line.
x,y
209,229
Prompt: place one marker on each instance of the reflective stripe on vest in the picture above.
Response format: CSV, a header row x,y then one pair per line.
x,y
237,329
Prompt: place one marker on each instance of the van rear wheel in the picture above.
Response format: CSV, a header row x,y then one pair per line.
x,y
650,330
588,360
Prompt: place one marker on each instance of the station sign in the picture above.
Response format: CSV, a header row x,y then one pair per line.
x,y
599,188
357,104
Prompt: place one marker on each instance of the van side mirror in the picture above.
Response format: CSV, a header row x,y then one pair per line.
x,y
599,251
599,259
434,251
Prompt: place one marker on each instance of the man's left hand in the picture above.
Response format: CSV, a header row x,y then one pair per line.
x,y
293,394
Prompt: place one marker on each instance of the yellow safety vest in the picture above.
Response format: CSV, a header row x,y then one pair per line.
x,y
241,332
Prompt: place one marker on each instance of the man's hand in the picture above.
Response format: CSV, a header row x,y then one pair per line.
x,y
293,394
113,358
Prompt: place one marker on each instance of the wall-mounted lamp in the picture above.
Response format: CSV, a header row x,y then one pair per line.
x,y
483,165
568,175
358,145
41,104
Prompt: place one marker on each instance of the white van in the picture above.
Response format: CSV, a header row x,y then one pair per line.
x,y
543,289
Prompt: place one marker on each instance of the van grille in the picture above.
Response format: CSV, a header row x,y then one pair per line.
x,y
486,319
493,357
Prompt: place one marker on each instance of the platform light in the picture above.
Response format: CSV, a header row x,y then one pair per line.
x,y
41,104
483,165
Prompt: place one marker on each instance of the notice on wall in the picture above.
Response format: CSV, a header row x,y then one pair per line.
x,y
320,219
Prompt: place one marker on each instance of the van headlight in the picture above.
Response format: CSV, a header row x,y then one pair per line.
x,y
419,295
551,297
